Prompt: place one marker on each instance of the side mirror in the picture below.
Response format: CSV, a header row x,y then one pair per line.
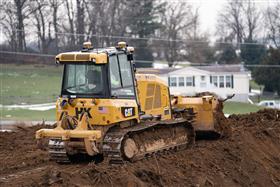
x,y
134,67
130,57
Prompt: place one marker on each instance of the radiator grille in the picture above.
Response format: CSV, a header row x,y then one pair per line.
x,y
157,99
149,103
150,90
153,97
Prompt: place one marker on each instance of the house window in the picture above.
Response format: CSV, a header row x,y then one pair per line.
x,y
221,81
202,77
189,81
228,81
173,81
181,81
202,83
215,81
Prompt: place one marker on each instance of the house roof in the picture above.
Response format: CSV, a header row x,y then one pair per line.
x,y
223,68
212,68
155,71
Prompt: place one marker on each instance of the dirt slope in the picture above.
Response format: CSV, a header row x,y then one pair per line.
x,y
250,157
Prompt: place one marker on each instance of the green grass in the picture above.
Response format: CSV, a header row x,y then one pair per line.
x,y
33,84
257,99
29,83
239,108
255,85
27,115
49,115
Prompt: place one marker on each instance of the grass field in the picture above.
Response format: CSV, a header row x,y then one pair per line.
x,y
49,115
29,83
27,115
33,84
239,108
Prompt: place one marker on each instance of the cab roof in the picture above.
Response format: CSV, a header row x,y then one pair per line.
x,y
97,56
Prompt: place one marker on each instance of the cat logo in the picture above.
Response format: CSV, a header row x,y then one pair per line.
x,y
128,111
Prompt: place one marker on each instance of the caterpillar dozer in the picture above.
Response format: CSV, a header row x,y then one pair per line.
x,y
106,108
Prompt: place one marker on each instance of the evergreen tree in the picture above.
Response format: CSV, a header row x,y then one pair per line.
x,y
269,76
228,55
252,53
142,23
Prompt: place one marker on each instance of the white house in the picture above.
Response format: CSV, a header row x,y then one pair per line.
x,y
224,80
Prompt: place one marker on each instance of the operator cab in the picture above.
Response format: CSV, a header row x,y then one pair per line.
x,y
102,73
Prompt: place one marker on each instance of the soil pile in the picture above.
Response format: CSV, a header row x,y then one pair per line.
x,y
249,157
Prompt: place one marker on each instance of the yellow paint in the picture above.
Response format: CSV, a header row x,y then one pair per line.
x,y
204,107
97,58
147,98
109,109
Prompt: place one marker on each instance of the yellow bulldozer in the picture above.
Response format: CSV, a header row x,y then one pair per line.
x,y
106,108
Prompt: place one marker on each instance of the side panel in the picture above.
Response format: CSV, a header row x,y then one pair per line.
x,y
100,111
153,97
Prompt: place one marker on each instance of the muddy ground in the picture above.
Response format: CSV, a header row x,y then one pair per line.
x,y
249,157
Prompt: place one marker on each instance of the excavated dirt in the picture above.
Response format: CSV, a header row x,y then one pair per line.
x,y
249,157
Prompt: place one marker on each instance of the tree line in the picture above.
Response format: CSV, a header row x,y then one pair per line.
x,y
159,29
57,25
65,24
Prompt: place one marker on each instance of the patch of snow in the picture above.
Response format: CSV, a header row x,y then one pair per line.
x,y
37,107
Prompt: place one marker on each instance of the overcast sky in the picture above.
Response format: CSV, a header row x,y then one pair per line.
x,y
209,10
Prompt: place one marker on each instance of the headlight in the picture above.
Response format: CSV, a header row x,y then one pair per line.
x,y
64,104
72,102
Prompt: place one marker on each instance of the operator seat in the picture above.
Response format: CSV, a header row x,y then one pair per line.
x,y
94,78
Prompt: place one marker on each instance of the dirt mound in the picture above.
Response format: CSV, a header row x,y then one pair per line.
x,y
249,157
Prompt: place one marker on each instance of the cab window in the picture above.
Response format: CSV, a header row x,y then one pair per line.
x,y
83,79
114,73
121,76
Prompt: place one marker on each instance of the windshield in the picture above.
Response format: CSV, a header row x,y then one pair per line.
x,y
83,79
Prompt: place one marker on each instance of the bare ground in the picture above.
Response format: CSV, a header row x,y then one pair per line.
x,y
249,157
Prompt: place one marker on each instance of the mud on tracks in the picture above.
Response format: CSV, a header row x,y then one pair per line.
x,y
249,157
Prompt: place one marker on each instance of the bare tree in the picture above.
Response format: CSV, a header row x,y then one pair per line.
x,y
253,16
9,24
14,15
54,6
70,28
39,9
178,21
20,4
80,22
231,21
105,19
272,16
238,21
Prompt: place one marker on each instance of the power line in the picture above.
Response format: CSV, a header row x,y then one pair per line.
x,y
243,1
27,54
148,38
176,63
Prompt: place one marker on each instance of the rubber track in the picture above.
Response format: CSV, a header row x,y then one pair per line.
x,y
57,151
112,142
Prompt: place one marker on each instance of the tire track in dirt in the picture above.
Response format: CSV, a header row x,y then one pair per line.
x,y
249,157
